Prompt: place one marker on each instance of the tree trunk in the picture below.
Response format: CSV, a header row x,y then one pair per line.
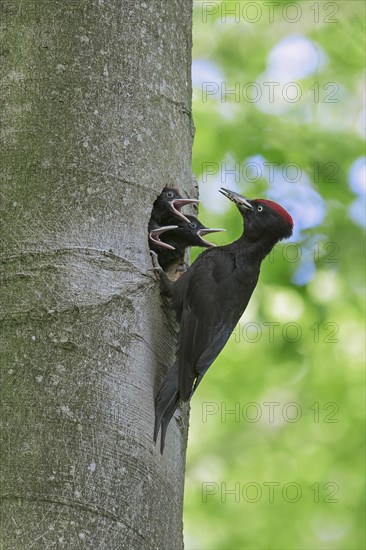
x,y
97,121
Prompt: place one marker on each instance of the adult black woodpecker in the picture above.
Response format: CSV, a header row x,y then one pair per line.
x,y
211,296
183,235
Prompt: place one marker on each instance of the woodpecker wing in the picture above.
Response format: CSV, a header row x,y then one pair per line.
x,y
213,302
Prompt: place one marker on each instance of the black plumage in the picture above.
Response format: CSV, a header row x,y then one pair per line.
x,y
212,295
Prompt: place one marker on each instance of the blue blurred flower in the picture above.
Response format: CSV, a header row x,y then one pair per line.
x,y
357,179
204,72
357,211
294,57
357,176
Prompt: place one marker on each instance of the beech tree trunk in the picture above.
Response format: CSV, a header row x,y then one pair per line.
x,y
97,119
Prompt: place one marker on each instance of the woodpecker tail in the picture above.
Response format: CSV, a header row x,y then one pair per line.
x,y
166,403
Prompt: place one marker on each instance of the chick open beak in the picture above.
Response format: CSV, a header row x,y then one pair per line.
x,y
206,231
154,236
177,204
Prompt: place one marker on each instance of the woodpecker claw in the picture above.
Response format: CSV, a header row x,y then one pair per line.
x,y
155,261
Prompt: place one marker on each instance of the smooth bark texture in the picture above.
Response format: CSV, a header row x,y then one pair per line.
x,y
97,120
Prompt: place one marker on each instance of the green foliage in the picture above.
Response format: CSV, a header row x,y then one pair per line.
x,y
292,371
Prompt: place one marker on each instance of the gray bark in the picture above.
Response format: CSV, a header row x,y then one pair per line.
x,y
97,118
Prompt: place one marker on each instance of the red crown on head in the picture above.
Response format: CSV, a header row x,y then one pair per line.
x,y
277,208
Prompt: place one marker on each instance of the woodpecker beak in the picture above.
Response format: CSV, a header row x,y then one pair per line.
x,y
154,236
202,232
177,204
235,197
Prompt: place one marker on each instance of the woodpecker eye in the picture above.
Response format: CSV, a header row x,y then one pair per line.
x,y
259,208
193,225
169,194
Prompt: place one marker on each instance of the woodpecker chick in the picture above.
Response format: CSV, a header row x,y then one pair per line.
x,y
167,207
185,234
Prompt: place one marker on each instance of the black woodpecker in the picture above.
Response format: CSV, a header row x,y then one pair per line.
x,y
211,296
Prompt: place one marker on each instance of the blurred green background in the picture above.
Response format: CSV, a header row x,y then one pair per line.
x,y
279,113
